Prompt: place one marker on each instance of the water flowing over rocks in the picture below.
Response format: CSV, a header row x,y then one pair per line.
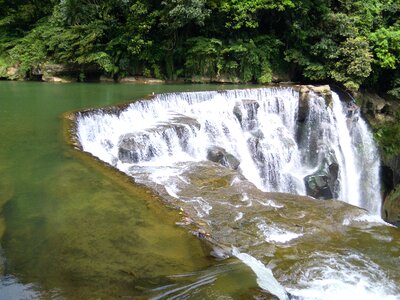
x,y
379,111
239,165
300,140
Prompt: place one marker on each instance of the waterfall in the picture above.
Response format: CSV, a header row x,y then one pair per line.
x,y
217,155
325,150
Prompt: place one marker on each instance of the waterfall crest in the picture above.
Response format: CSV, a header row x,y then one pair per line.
x,y
278,140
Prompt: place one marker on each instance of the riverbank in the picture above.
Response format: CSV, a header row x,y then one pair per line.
x,y
68,73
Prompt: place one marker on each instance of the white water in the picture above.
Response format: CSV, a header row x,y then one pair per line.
x,y
260,127
275,151
348,276
265,278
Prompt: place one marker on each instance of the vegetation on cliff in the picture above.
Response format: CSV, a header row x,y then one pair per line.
x,y
353,43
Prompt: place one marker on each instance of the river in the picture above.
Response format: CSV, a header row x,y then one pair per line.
x,y
71,228
67,228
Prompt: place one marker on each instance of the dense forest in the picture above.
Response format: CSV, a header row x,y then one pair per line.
x,y
353,43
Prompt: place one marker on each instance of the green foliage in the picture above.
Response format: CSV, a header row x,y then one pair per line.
x,y
30,51
386,46
387,135
353,64
353,43
245,13
204,57
395,90
3,68
248,60
179,13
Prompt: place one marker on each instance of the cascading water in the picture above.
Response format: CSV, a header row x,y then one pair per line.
x,y
326,155
225,158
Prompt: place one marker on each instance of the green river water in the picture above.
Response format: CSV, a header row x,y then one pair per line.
x,y
70,230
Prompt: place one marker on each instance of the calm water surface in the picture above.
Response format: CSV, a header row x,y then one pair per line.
x,y
69,229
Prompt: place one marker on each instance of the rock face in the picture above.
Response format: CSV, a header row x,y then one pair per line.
x,y
11,73
377,109
59,73
249,121
141,79
142,146
323,184
134,148
390,174
219,155
391,207
304,98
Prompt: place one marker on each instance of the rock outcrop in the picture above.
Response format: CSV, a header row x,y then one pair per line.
x,y
304,92
323,184
376,109
219,155
391,207
379,111
246,113
141,146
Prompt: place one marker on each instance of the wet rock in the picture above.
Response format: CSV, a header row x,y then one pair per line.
x,y
393,168
304,92
248,116
133,148
352,114
182,126
184,120
67,73
221,253
141,146
219,155
323,184
238,113
2,263
391,207
61,73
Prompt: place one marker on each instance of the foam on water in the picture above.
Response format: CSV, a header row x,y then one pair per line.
x,y
343,277
260,128
274,234
265,278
